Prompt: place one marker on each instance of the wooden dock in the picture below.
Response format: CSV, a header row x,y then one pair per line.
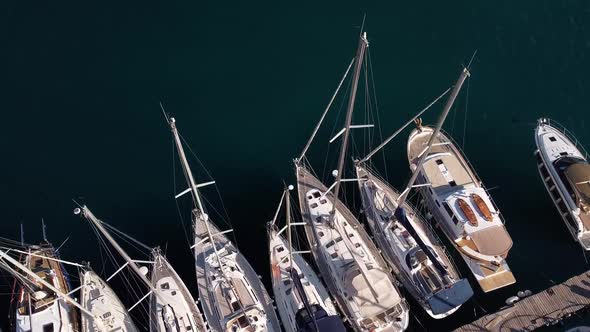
x,y
538,310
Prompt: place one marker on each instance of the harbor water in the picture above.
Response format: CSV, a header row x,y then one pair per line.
x,y
247,82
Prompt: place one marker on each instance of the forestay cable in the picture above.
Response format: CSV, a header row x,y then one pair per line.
x,y
403,127
317,127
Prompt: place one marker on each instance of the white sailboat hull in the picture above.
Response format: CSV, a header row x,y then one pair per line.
x,y
55,315
97,297
397,244
288,303
48,311
336,276
174,309
220,313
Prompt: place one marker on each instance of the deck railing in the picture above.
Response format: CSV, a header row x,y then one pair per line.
x,y
500,215
415,210
567,133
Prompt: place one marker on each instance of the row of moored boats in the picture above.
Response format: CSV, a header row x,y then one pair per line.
x,y
359,274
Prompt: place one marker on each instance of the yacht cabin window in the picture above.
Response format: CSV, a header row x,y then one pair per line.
x,y
451,214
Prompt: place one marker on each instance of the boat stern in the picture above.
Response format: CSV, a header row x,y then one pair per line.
x,y
500,278
448,300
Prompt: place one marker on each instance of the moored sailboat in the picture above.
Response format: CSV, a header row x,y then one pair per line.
x,y
172,307
351,265
565,171
232,296
303,302
40,307
42,273
454,194
409,245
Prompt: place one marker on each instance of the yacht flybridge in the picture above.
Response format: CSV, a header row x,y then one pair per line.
x,y
352,267
565,171
461,205
409,245
172,307
303,302
232,296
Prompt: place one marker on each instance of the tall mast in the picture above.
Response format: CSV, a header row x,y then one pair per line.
x,y
293,273
388,139
201,211
441,120
363,43
186,168
317,127
289,235
193,187
96,222
400,213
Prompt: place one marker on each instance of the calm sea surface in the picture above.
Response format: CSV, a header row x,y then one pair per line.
x,y
81,83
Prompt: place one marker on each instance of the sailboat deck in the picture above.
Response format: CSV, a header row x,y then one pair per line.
x,y
214,303
336,263
418,222
97,297
286,296
173,294
444,168
46,269
399,247
47,308
463,208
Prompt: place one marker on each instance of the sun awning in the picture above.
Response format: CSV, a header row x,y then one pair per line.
x,y
493,241
578,175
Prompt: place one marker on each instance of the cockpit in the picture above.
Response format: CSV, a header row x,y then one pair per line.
x,y
323,322
248,321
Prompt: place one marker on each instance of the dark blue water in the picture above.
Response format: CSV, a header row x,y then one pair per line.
x,y
81,84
